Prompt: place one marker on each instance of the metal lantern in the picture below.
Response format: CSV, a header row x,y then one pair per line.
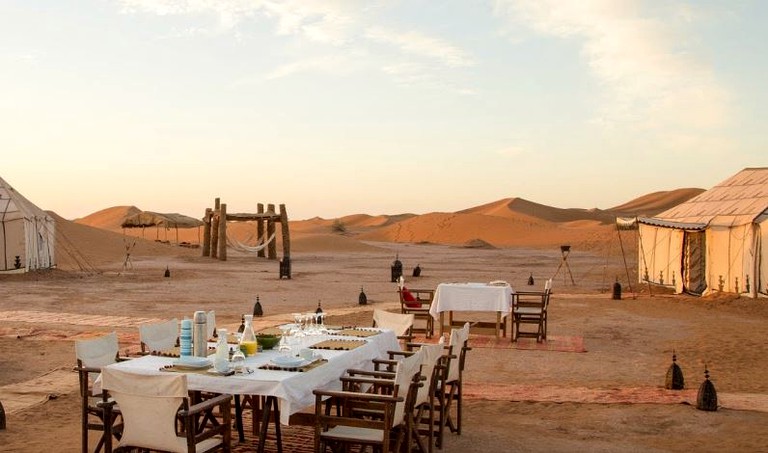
x,y
616,290
397,269
707,397
417,271
362,299
675,379
258,311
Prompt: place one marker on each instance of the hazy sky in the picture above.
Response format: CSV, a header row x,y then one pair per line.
x,y
378,107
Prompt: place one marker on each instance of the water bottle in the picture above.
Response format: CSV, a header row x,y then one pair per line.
x,y
200,335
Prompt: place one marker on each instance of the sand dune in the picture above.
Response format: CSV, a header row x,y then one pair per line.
x,y
515,207
656,202
83,247
510,222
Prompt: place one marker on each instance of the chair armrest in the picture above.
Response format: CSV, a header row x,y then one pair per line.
x,y
393,354
87,369
382,374
390,364
225,399
380,382
363,396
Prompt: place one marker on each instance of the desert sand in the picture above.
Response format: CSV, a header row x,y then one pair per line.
x,y
609,396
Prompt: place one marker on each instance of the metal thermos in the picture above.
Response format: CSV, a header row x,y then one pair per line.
x,y
199,334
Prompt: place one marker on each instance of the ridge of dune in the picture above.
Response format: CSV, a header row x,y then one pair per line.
x,y
109,218
512,231
656,202
515,207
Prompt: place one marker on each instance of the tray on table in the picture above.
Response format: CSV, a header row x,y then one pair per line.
x,y
338,345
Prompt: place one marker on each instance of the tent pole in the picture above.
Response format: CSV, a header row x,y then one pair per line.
x,y
624,257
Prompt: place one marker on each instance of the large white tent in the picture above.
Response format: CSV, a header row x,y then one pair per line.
x,y
27,233
716,241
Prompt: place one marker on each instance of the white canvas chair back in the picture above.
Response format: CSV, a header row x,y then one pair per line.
x,y
431,354
148,404
159,336
458,338
404,374
210,323
97,352
397,322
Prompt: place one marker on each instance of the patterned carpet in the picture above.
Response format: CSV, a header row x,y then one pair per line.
x,y
298,439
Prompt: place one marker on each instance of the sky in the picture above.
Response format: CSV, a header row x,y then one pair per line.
x,y
378,107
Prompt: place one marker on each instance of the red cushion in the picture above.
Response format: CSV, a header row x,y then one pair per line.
x,y
409,297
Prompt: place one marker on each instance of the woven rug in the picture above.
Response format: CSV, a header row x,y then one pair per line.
x,y
552,343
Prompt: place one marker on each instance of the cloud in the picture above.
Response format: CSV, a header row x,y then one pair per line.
x,y
421,45
342,31
650,76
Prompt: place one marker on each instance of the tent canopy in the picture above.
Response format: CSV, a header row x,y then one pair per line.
x,y
27,233
716,241
156,219
738,200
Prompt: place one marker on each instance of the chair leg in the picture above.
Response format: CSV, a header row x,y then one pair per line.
x,y
239,419
458,407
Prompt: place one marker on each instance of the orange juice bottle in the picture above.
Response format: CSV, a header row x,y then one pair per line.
x,y
248,341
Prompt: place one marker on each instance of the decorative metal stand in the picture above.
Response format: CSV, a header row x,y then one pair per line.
x,y
565,250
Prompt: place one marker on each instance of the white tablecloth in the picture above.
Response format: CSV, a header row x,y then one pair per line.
x,y
470,297
293,389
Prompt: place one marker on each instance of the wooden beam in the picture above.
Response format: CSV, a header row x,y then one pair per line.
x,y
272,246
223,232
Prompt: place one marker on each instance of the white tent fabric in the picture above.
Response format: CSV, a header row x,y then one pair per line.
x,y
27,233
716,241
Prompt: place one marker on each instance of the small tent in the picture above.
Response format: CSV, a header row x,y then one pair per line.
x,y
716,241
27,233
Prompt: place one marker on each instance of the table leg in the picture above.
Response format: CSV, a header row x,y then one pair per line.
x,y
239,419
442,323
270,407
498,323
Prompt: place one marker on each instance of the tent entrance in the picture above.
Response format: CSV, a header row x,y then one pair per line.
x,y
694,262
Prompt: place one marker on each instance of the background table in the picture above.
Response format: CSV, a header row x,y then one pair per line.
x,y
450,297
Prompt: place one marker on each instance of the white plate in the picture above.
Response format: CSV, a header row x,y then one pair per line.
x,y
193,362
288,361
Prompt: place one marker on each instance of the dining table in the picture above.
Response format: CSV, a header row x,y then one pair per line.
x,y
287,390
476,297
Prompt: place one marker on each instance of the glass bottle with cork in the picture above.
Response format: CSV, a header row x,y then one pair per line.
x,y
248,343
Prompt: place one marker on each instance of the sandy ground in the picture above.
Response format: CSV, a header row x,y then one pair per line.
x,y
523,400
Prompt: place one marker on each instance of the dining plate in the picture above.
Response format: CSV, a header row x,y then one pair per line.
x,y
193,362
288,361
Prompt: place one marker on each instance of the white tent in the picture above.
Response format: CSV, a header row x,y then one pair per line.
x,y
27,233
716,241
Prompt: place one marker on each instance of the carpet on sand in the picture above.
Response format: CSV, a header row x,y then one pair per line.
x,y
552,343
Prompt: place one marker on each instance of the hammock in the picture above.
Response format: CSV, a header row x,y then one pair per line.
x,y
237,245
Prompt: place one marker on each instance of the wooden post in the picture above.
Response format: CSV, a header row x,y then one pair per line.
x,y
207,232
223,232
260,228
285,232
215,234
272,247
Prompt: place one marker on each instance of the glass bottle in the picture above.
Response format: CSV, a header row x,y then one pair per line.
x,y
248,341
221,362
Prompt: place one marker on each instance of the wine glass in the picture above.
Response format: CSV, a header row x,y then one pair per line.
x,y
284,348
